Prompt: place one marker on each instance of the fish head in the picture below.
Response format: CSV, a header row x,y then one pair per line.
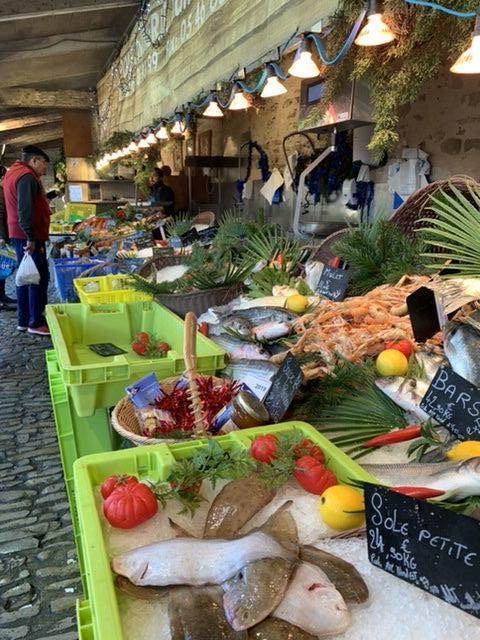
x,y
133,566
252,594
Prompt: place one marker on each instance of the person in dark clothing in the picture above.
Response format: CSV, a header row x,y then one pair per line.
x,y
161,194
28,219
4,299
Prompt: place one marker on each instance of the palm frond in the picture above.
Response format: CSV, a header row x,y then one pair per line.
x,y
271,242
180,225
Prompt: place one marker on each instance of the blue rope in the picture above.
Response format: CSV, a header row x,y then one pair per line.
x,y
346,47
259,84
438,7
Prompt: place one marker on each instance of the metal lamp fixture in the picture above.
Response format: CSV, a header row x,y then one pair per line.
x,y
240,100
273,87
303,66
213,109
469,61
375,32
162,133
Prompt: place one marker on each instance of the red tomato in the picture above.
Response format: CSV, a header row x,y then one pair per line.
x,y
313,476
163,347
264,448
404,346
129,505
140,348
113,482
309,448
143,337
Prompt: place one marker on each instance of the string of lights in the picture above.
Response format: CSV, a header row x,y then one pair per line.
x,y
365,33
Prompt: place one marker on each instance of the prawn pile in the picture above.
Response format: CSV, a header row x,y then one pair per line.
x,y
355,328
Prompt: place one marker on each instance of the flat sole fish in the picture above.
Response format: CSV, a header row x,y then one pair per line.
x,y
197,614
189,561
257,589
313,604
275,629
236,503
342,574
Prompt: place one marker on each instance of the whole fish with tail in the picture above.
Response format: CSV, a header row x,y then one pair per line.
x,y
461,343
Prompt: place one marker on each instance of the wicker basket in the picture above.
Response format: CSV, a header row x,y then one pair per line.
x,y
198,301
324,253
126,424
168,259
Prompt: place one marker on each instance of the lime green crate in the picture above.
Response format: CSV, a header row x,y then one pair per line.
x,y
76,437
102,617
96,382
110,289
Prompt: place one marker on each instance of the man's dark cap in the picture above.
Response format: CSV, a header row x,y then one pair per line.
x,y
32,150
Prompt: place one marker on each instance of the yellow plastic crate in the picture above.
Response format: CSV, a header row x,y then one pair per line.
x,y
111,289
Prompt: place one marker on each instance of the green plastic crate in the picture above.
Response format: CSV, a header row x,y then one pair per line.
x,y
99,619
96,382
76,437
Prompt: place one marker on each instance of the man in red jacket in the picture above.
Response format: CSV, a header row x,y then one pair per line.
x,y
28,220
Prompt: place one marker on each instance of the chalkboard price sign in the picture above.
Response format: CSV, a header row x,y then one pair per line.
x,y
206,236
333,283
190,237
285,384
455,403
424,544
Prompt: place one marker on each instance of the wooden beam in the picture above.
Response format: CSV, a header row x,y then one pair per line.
x,y
24,122
15,10
34,135
32,98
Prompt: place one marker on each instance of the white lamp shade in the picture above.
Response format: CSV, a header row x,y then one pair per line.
x,y
151,138
273,87
303,66
133,147
162,133
469,61
213,110
178,127
143,144
375,32
240,101
125,151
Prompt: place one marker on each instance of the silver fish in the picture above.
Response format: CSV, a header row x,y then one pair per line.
x,y
240,350
457,480
231,323
313,604
461,343
259,315
275,629
271,330
197,614
240,369
256,590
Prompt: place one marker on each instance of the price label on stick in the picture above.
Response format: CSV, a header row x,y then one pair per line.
x,y
285,384
426,545
333,283
455,403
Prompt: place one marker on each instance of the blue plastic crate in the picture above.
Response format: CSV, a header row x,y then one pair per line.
x,y
66,270
8,262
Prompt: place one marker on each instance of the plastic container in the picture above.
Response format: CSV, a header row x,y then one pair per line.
x,y
111,289
65,271
97,382
8,262
100,619
76,437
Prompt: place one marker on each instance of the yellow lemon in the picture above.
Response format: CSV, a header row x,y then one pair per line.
x,y
342,507
297,303
464,451
392,362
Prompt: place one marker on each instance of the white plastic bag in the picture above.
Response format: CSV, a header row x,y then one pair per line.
x,y
27,272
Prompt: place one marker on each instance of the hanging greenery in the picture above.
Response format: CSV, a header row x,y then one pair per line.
x,y
397,72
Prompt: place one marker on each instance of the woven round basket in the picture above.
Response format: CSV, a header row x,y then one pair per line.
x,y
126,424
323,252
198,301
158,262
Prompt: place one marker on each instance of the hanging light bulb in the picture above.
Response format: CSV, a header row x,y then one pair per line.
x,y
179,125
273,87
162,133
133,147
303,66
241,100
469,61
375,32
213,110
143,144
151,139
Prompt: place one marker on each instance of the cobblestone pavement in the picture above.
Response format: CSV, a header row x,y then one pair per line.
x,y
39,579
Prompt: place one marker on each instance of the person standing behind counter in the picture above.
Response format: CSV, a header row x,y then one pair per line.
x,y
28,218
161,194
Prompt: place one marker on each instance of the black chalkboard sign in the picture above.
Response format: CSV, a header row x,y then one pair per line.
x,y
455,403
285,385
424,544
426,315
145,241
190,237
333,283
206,236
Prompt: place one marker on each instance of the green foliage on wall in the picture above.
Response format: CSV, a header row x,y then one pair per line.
x,y
397,72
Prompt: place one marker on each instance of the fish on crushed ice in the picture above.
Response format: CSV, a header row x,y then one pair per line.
x,y
271,330
255,591
236,503
239,349
233,323
313,603
461,343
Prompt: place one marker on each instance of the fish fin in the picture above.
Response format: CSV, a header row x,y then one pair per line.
x,y
142,593
282,527
179,531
